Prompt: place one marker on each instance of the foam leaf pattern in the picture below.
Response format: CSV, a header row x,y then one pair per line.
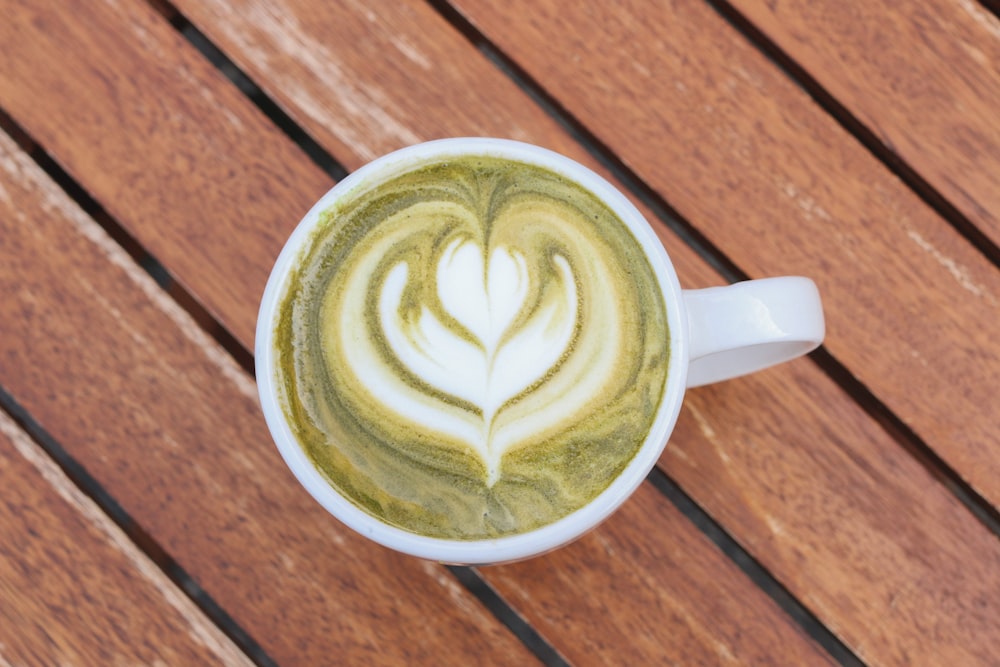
x,y
505,343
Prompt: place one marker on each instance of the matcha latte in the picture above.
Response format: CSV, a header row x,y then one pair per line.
x,y
471,349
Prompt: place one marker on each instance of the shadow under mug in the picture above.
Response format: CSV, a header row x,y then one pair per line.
x,y
716,334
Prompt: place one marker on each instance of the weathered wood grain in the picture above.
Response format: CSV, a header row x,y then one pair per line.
x,y
788,504
862,535
923,77
621,596
744,154
202,216
73,589
171,427
399,73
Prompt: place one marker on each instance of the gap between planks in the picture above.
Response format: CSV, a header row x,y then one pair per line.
x,y
991,5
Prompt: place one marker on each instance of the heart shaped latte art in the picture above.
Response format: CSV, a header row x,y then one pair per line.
x,y
473,349
500,361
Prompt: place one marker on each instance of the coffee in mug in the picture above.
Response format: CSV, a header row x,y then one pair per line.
x,y
474,350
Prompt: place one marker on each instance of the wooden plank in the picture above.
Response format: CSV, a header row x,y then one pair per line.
x,y
75,589
170,426
779,187
923,77
107,119
912,505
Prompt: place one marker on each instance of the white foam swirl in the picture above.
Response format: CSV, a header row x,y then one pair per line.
x,y
473,349
501,360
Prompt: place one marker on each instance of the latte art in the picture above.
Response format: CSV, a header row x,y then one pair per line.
x,y
473,349
498,364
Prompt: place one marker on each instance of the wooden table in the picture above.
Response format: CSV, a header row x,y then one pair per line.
x,y
839,509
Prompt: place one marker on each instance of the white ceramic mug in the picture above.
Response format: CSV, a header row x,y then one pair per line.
x,y
716,334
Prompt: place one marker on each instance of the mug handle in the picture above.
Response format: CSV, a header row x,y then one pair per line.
x,y
751,325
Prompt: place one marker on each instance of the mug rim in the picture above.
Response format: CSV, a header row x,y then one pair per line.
x,y
489,550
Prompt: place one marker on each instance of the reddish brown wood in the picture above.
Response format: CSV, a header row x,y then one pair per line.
x,y
858,530
867,538
74,589
788,514
922,76
160,98
170,426
396,73
622,595
780,187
